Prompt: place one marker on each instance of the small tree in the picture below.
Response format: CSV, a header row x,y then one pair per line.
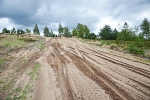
x,y
46,31
74,32
28,31
36,30
105,33
114,34
20,31
145,27
92,36
13,30
60,30
126,33
5,30
67,32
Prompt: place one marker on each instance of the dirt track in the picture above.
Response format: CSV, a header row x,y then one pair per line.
x,y
72,70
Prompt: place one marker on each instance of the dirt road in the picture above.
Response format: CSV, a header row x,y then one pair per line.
x,y
72,70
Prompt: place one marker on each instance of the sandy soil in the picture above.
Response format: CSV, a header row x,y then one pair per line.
x,y
72,70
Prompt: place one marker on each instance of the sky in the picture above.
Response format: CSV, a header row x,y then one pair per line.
x,y
93,13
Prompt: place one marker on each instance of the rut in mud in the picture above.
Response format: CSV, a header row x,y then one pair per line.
x,y
72,70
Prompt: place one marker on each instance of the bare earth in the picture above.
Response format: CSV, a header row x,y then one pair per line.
x,y
72,70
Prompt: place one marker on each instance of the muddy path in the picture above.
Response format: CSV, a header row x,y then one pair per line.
x,y
72,70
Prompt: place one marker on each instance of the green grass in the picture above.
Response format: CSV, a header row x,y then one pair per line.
x,y
42,46
103,42
12,41
2,61
134,49
34,72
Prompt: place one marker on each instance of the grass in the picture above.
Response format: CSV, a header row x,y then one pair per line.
x,y
134,49
42,46
11,41
23,93
2,61
34,72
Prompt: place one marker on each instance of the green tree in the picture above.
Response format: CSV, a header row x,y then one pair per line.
x,y
105,33
36,30
114,34
67,32
5,30
60,30
145,27
80,30
28,31
74,32
51,34
46,31
86,31
20,31
126,33
92,36
13,30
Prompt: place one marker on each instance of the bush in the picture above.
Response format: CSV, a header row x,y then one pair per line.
x,y
113,47
132,48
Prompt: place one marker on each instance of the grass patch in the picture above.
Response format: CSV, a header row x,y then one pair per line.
x,y
105,42
42,46
2,61
11,41
34,72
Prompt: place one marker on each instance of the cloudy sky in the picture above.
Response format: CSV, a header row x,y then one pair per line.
x,y
93,13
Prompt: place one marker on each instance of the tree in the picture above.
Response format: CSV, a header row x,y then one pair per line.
x,y
86,31
28,31
114,34
74,32
67,32
126,33
145,27
92,36
46,31
20,31
13,30
52,34
60,30
80,30
105,33
36,30
5,30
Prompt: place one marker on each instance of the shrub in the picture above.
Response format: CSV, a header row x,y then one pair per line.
x,y
113,47
132,48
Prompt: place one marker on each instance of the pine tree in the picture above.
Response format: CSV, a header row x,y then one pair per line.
x,y
145,27
36,30
46,31
60,30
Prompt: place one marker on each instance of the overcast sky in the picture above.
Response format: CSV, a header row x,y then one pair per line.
x,y
93,13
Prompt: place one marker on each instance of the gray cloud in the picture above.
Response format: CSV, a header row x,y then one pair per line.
x,y
92,13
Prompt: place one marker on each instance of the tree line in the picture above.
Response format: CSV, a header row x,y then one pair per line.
x,y
127,33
